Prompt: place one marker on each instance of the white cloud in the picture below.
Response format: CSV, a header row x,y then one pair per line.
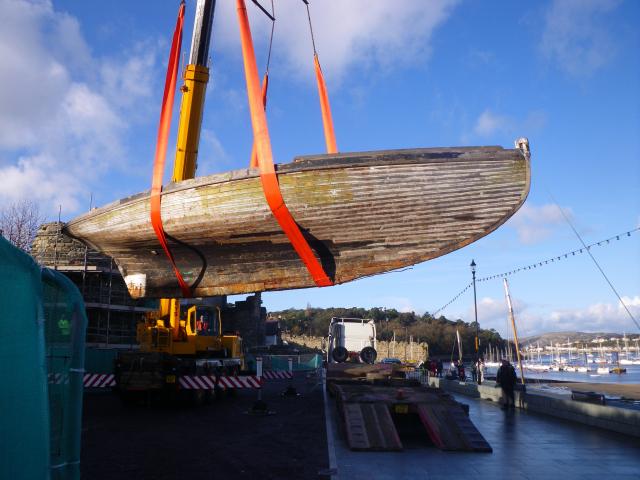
x,y
126,81
401,304
574,36
212,157
537,223
490,123
40,178
375,34
64,113
603,317
598,317
493,313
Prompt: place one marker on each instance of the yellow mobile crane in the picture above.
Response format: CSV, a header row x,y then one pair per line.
x,y
180,339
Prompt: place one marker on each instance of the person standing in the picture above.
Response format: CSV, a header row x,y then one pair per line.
x,y
431,368
506,378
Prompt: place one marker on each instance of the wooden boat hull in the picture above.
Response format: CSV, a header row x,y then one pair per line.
x,y
363,214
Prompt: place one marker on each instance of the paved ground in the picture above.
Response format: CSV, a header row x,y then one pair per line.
x,y
221,441
526,446
214,441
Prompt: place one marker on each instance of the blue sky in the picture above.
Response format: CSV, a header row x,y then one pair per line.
x,y
82,84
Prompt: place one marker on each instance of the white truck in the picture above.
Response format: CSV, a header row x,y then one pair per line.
x,y
351,339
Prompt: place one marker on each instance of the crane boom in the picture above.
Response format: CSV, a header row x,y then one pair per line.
x,y
196,77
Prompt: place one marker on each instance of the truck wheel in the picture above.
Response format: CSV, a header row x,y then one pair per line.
x,y
340,354
368,355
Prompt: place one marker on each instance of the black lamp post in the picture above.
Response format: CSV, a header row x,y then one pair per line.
x,y
475,306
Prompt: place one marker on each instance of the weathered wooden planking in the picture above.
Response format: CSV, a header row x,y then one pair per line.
x,y
364,214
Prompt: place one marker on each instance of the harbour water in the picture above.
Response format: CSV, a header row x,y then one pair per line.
x,y
632,374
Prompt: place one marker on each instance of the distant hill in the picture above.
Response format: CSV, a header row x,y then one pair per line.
x,y
561,337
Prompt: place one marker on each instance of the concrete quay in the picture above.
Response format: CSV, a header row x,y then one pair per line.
x,y
613,418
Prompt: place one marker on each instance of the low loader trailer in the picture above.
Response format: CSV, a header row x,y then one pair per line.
x,y
375,401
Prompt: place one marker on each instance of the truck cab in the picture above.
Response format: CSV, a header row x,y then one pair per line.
x,y
351,339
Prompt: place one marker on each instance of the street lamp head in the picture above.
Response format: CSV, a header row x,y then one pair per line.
x,y
473,266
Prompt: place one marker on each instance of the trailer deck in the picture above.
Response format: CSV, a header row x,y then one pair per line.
x,y
374,400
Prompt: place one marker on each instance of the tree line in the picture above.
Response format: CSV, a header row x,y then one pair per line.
x,y
439,332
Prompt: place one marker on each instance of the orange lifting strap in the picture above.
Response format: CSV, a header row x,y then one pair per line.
x,y
268,176
161,146
327,121
265,87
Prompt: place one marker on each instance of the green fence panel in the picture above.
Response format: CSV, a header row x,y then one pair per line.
x,y
280,363
42,331
24,405
65,328
99,360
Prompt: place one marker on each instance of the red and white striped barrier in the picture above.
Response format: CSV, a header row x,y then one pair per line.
x,y
271,375
99,380
241,382
58,378
190,382
197,382
89,380
208,382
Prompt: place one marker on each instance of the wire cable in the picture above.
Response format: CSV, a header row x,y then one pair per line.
x,y
586,248
595,261
264,10
313,40
557,258
452,300
273,26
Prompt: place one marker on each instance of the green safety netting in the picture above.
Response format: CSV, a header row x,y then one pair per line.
x,y
42,331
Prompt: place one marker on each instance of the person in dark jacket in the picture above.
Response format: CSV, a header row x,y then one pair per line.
x,y
506,378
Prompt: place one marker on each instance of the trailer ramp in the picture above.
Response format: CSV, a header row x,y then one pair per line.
x,y
449,428
369,427
368,422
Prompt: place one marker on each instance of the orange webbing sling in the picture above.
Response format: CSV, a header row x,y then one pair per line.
x,y
327,121
268,176
265,87
161,146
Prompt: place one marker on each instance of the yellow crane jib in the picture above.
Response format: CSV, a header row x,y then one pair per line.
x,y
191,108
196,77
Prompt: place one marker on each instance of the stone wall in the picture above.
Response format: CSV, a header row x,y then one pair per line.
x,y
247,317
52,248
405,351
